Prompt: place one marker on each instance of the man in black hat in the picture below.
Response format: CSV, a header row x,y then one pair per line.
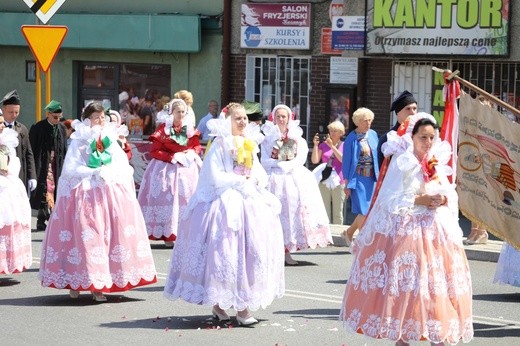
x,y
404,105
49,142
11,110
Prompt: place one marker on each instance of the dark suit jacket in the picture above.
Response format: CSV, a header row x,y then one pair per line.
x,y
42,143
383,139
24,153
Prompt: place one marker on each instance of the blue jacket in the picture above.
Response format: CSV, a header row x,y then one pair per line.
x,y
351,149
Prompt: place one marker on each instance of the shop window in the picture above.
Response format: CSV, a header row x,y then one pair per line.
x,y
499,79
98,76
124,87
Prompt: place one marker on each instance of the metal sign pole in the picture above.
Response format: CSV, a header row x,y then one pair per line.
x,y
38,93
48,86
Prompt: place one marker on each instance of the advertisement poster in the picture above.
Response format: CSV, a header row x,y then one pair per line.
x,y
326,42
348,33
343,70
275,26
479,27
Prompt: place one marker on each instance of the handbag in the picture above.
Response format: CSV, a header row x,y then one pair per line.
x,y
327,171
325,174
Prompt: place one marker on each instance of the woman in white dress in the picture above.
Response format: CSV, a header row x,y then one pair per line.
x,y
284,152
171,176
508,266
96,238
229,252
15,218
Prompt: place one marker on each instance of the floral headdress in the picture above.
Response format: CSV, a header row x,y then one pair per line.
x,y
223,113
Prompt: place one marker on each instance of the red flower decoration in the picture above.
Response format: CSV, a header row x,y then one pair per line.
x,y
428,168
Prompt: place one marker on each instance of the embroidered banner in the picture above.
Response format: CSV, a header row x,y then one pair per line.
x,y
488,175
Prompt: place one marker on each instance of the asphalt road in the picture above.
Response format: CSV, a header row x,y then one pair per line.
x,y
306,315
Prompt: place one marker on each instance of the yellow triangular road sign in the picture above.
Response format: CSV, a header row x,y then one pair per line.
x,y
44,41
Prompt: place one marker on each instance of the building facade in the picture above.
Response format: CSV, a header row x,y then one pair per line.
x,y
291,52
311,80
117,49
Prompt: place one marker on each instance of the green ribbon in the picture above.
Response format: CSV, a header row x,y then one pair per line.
x,y
181,137
99,155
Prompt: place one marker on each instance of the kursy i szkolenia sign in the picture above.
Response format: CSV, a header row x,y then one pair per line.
x,y
275,26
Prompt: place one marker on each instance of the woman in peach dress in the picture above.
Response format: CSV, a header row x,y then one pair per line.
x,y
410,278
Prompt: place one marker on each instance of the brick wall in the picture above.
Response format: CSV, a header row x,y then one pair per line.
x,y
373,92
376,95
320,67
237,78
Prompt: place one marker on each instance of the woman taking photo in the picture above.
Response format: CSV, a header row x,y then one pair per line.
x,y
330,154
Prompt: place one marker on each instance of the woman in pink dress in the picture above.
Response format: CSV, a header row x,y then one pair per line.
x,y
172,174
410,278
15,218
229,253
96,238
284,152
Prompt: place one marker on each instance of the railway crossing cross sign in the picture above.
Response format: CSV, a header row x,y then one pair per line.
x,y
44,9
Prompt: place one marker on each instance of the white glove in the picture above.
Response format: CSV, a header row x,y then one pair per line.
x,y
32,184
190,155
181,158
248,187
285,166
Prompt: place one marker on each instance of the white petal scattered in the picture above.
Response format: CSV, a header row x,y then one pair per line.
x,y
290,330
275,324
333,329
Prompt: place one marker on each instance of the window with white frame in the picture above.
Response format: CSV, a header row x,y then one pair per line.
x,y
272,80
